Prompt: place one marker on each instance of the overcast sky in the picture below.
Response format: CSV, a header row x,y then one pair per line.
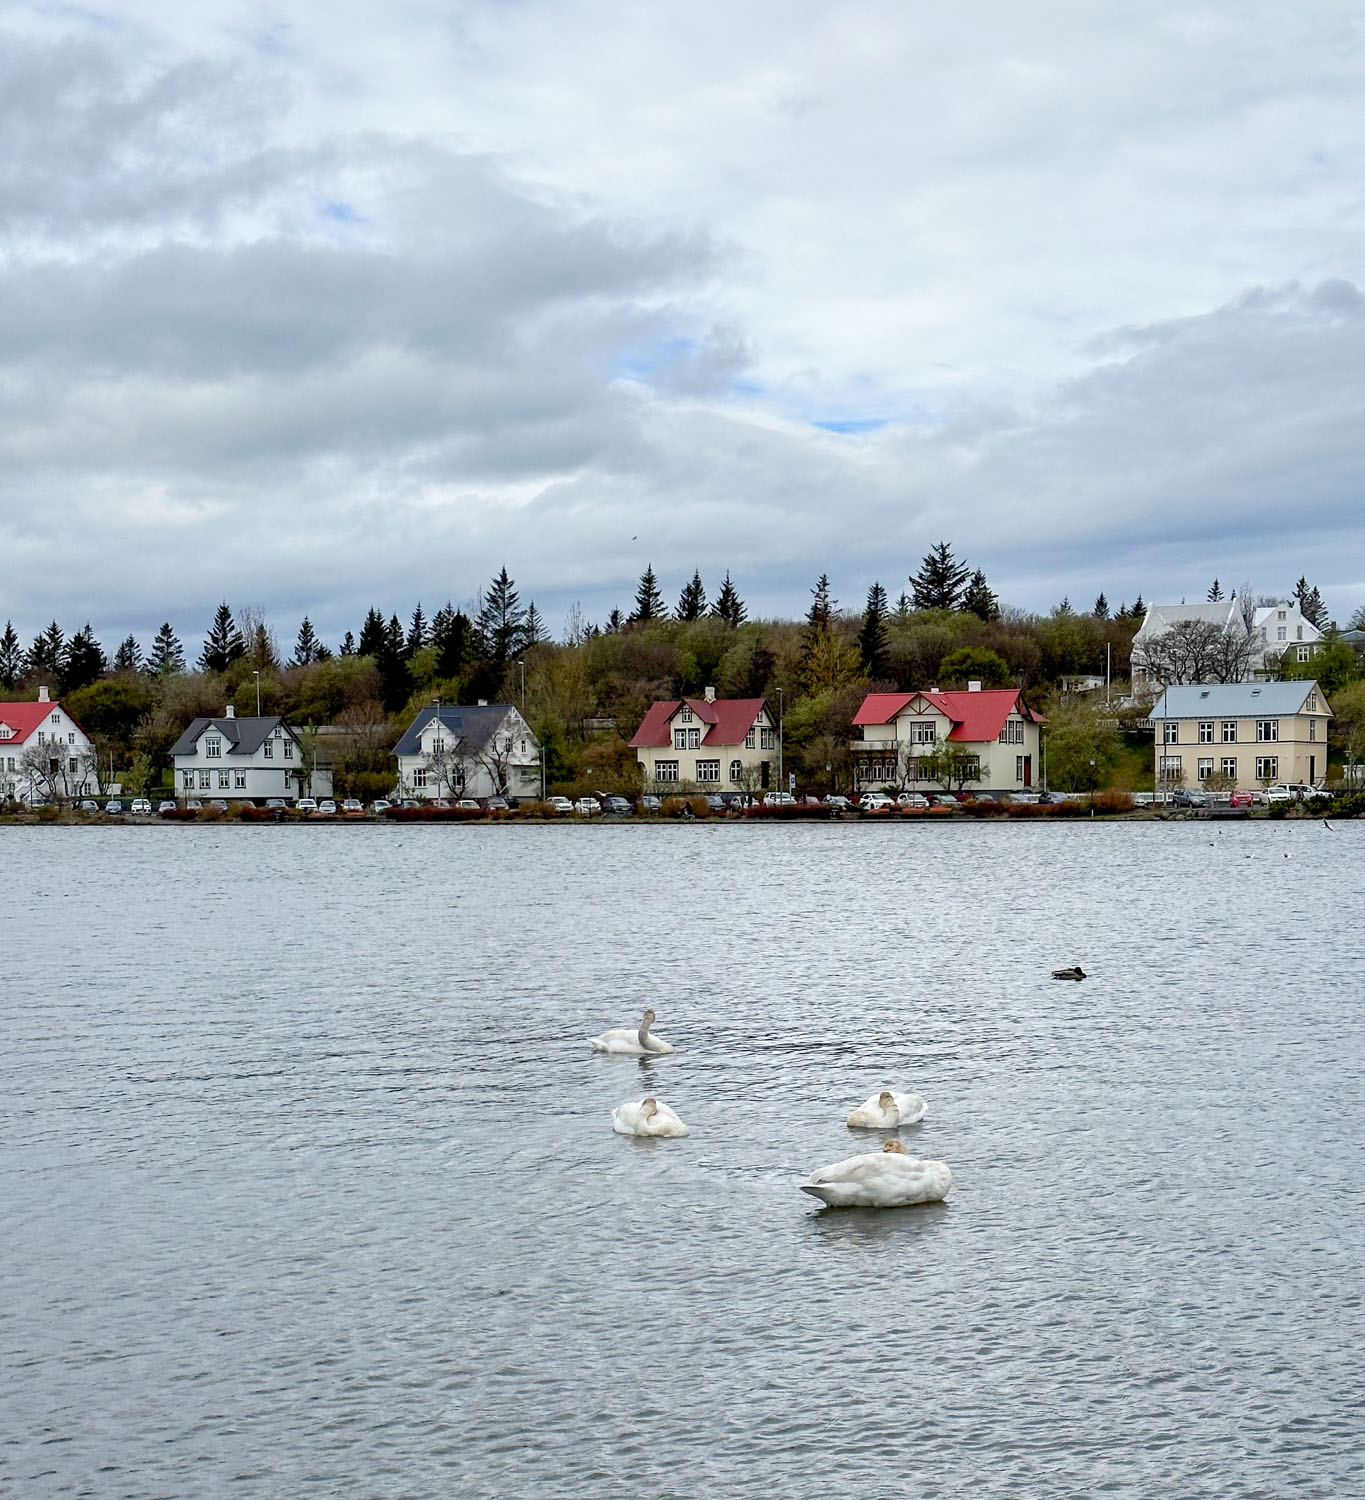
x,y
319,306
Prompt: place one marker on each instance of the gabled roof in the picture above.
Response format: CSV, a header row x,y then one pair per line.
x,y
1231,700
727,721
1224,613
24,718
976,715
472,725
243,736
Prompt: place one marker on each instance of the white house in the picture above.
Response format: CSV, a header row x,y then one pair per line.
x,y
1282,632
708,743
1213,641
245,759
45,756
468,750
989,737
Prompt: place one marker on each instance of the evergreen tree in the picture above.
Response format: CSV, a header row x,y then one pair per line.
x,y
224,644
1063,610
371,635
1215,591
417,631
938,584
1122,612
534,632
614,622
903,607
168,656
1139,609
128,657
979,600
501,622
84,661
348,645
692,600
452,638
872,635
395,680
45,656
649,602
729,606
1101,609
307,648
1310,603
11,656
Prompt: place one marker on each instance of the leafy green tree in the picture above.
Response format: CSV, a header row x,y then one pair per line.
x,y
168,656
649,602
692,600
1076,736
84,660
111,710
729,606
224,644
975,664
939,582
1333,666
978,599
11,656
872,637
307,648
128,657
950,764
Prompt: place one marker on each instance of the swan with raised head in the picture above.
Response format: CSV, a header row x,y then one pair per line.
x,y
889,1178
648,1117
885,1111
628,1043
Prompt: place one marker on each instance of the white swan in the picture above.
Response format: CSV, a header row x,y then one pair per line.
x,y
648,1117
887,1110
629,1043
889,1178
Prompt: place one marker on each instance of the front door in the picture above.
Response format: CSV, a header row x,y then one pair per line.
x,y
1312,770
763,774
1027,777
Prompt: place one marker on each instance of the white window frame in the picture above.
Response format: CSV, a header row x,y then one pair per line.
x,y
1229,731
1170,732
1267,768
666,770
708,770
205,781
1206,731
213,747
239,778
224,777
1267,731
268,749
736,771
1230,766
1204,768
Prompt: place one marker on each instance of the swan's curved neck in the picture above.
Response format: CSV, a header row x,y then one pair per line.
x,y
644,1032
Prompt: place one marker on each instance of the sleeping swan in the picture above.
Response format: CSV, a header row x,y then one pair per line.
x,y
632,1043
648,1117
887,1110
888,1178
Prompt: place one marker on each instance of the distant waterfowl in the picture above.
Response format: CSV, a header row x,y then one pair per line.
x,y
1073,973
885,1111
889,1178
627,1043
648,1117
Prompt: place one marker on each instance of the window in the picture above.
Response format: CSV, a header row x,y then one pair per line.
x,y
1012,733
71,738
685,717
1280,633
1206,731
189,780
736,771
1267,768
693,739
767,739
708,770
1312,704
268,750
56,718
1170,732
680,739
419,776
1229,766
749,739
1229,731
1205,767
1281,614
1298,635
6,733
665,770
1170,764
223,779
1303,652
1312,729
239,778
42,738
204,781
289,749
71,765
213,746
1267,729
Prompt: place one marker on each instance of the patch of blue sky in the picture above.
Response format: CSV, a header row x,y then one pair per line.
x,y
641,361
851,424
341,213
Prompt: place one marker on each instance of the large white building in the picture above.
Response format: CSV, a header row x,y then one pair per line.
x,y
1212,641
463,750
245,759
45,756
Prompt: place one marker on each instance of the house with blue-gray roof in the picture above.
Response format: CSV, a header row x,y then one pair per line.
x,y
468,750
1241,734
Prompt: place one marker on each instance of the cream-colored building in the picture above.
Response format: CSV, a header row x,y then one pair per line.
x,y
1242,734
708,744
991,737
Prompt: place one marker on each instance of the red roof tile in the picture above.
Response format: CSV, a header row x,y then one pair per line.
x,y
976,716
24,718
729,720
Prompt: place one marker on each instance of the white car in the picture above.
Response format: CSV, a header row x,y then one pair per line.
x,y
305,805
352,805
327,808
779,799
875,802
912,799
142,806
587,806
559,804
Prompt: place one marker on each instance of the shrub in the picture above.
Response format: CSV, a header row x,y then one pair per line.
x,y
985,809
48,814
1112,801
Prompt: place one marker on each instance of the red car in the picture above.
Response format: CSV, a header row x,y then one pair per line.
x,y
1241,799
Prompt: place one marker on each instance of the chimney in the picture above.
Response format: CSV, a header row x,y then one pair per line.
x,y
42,695
229,712
483,702
710,695
973,687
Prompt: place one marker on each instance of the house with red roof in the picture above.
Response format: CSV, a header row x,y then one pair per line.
x,y
708,744
987,738
45,756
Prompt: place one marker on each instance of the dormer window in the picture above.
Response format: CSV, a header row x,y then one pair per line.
x,y
213,746
268,749
685,717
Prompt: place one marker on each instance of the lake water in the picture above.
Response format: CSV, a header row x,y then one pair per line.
x,y
310,1189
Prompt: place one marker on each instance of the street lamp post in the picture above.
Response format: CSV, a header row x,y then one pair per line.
x,y
257,676
522,665
781,715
